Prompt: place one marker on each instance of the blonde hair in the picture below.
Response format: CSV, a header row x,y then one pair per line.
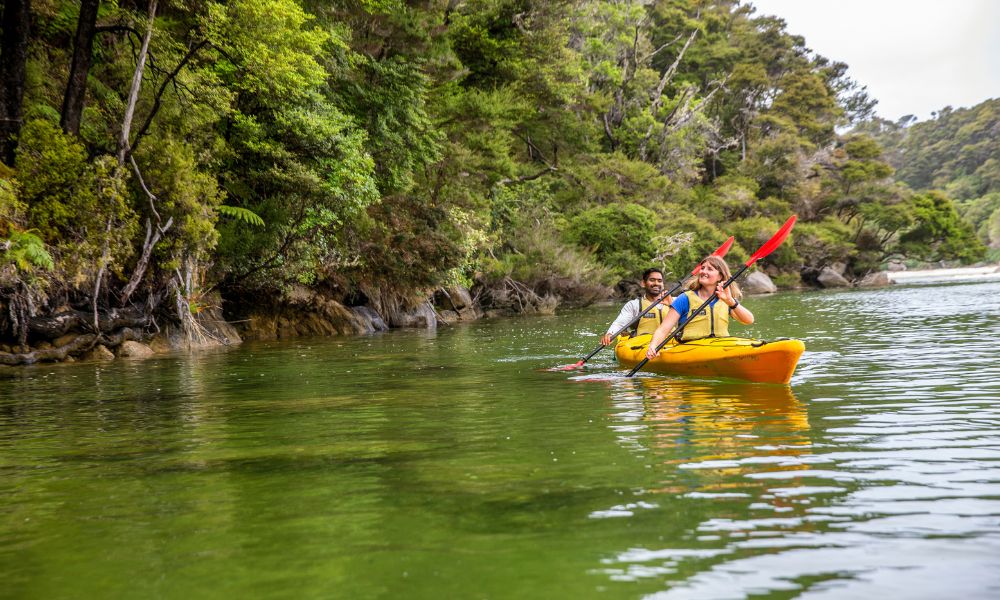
x,y
723,269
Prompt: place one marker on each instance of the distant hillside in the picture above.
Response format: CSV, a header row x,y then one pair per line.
x,y
958,152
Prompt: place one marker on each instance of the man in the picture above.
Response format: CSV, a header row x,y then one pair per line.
x,y
652,285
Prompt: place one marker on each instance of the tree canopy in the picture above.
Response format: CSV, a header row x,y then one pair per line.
x,y
371,149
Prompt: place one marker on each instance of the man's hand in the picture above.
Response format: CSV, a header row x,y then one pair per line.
x,y
606,340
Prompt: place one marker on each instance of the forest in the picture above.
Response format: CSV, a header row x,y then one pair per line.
x,y
168,165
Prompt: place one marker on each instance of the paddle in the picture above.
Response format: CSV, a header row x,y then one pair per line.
x,y
720,252
768,247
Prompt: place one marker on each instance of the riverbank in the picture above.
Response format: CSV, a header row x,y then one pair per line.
x,y
304,312
985,273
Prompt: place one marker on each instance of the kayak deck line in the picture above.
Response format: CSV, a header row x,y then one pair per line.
x,y
759,361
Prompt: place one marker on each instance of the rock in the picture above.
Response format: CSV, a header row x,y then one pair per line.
x,y
453,298
829,278
370,321
69,359
422,317
43,346
448,317
461,296
876,279
895,265
470,313
99,353
132,349
758,283
160,344
839,268
62,340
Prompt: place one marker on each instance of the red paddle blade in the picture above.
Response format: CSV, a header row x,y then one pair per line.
x,y
774,242
571,367
720,252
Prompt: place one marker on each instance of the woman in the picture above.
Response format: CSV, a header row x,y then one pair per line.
x,y
714,320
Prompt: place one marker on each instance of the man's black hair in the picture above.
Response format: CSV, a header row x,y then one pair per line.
x,y
648,272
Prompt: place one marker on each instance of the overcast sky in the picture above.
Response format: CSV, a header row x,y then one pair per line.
x,y
915,56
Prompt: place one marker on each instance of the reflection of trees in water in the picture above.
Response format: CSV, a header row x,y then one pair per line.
x,y
706,436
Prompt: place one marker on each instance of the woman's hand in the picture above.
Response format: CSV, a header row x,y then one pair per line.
x,y
652,352
725,296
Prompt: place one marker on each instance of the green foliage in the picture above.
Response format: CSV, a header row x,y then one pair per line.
x,y
957,151
26,251
985,211
538,254
241,214
683,240
11,207
754,232
402,145
938,232
185,193
389,98
79,207
271,49
824,242
620,236
807,103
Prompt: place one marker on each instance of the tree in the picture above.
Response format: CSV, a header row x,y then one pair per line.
x,y
15,29
83,49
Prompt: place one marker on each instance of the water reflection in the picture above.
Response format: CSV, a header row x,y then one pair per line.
x,y
455,466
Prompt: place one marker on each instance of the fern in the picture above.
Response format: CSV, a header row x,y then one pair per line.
x,y
27,251
243,214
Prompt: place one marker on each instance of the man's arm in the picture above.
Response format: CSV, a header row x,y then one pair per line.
x,y
629,312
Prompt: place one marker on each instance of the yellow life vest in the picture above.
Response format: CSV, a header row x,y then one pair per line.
x,y
649,321
711,322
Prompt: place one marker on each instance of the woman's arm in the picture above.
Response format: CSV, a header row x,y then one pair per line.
x,y
742,314
663,331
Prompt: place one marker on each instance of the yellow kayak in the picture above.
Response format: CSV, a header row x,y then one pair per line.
x,y
737,358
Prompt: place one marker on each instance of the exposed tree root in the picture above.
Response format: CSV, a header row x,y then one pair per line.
x,y
76,346
62,323
514,297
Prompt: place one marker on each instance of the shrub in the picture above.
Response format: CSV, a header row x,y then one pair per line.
x,y
752,233
618,236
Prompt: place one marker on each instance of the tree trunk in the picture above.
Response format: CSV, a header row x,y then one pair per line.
x,y
83,47
133,94
14,34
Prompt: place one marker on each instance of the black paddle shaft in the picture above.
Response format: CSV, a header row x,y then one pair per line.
x,y
680,326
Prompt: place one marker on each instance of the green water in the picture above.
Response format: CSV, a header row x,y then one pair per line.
x,y
449,465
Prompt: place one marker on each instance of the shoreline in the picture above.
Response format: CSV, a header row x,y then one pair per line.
x,y
952,274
